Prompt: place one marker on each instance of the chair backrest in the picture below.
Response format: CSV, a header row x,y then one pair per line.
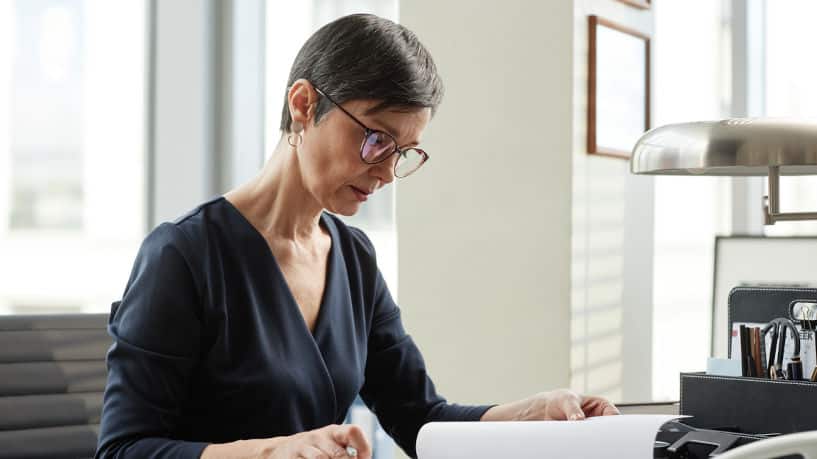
x,y
803,444
52,377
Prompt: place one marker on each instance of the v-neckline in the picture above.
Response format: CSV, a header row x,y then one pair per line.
x,y
328,278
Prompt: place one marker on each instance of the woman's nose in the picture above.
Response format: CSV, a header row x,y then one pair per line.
x,y
385,170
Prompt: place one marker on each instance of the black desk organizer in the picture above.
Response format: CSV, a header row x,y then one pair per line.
x,y
752,405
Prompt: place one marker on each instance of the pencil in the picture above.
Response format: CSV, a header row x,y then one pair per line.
x,y
744,352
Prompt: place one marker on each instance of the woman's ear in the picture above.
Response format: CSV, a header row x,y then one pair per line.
x,y
302,99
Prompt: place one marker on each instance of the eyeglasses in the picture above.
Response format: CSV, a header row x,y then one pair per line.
x,y
378,146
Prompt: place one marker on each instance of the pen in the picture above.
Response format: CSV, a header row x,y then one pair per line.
x,y
758,347
782,338
772,350
744,352
796,369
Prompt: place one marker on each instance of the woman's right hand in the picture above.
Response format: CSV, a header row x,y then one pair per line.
x,y
328,442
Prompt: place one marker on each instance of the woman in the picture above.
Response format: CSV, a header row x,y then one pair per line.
x,y
249,325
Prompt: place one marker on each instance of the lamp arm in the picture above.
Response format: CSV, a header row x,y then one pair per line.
x,y
771,203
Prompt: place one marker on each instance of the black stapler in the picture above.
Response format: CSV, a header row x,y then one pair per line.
x,y
677,440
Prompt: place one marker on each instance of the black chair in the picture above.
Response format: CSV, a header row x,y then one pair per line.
x,y
52,377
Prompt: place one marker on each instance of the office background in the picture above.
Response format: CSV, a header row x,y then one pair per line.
x,y
542,266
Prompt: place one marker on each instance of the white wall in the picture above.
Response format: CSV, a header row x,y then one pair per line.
x,y
484,228
612,244
510,207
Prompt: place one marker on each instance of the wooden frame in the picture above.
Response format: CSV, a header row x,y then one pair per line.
x,y
642,4
599,141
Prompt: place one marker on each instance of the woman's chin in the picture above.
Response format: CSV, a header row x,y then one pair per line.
x,y
347,210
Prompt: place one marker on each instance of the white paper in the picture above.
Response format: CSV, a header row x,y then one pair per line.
x,y
630,436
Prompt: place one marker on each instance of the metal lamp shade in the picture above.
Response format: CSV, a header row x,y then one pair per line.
x,y
733,147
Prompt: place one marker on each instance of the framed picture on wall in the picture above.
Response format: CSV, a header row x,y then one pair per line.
x,y
618,92
757,261
643,4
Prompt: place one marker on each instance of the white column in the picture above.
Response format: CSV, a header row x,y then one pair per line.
x,y
484,228
241,114
183,130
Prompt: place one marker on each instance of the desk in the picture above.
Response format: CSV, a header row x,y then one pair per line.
x,y
649,408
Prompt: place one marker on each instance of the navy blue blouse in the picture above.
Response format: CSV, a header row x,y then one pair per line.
x,y
210,345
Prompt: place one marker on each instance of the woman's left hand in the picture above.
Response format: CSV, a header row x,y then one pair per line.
x,y
559,404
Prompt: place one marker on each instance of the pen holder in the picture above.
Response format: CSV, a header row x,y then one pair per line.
x,y
750,405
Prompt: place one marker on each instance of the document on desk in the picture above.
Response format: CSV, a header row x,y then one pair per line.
x,y
630,436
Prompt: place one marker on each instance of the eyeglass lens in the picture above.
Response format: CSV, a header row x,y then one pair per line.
x,y
378,146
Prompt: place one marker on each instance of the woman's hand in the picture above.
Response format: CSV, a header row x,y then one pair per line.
x,y
325,443
328,442
559,404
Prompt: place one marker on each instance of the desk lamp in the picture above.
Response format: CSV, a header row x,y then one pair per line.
x,y
733,147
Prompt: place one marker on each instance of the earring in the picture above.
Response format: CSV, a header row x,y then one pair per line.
x,y
295,138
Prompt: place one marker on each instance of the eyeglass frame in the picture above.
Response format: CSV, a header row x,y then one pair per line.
x,y
368,131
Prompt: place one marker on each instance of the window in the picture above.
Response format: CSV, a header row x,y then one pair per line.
x,y
288,27
692,74
72,79
790,91
692,83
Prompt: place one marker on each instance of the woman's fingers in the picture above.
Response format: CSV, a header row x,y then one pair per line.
x,y
607,408
329,442
330,447
598,406
571,405
563,404
310,452
352,435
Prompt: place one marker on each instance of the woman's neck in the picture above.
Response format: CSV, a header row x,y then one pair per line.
x,y
276,201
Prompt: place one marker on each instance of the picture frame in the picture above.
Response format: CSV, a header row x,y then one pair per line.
x,y
640,4
757,261
618,92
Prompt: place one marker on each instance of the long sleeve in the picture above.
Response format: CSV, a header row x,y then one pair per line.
x,y
397,386
156,330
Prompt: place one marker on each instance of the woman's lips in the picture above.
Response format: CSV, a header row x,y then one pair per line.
x,y
359,194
